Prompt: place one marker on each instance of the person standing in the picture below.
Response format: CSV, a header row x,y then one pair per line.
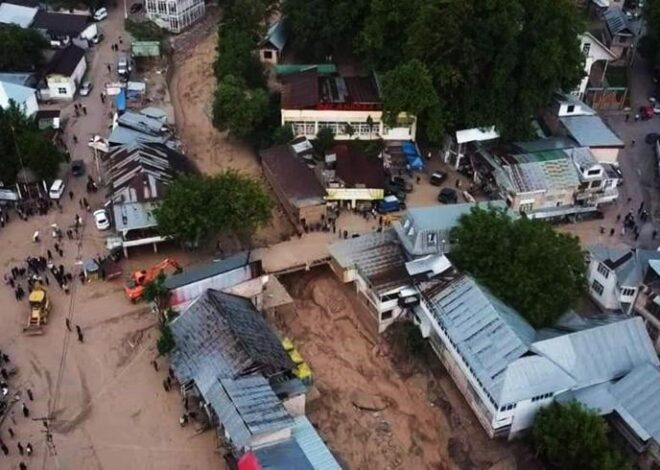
x,y
5,449
28,449
20,448
68,324
29,394
22,466
80,334
26,410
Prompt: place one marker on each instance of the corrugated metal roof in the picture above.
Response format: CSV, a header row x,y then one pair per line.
x,y
488,334
378,257
443,217
133,216
17,14
313,446
276,35
617,22
531,376
17,93
533,176
600,354
638,400
591,131
284,455
207,270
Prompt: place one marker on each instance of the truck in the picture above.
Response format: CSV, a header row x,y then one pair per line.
x,y
134,287
39,310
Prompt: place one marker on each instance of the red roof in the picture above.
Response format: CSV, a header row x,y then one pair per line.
x,y
355,168
301,90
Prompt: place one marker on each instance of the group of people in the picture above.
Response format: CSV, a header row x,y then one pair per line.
x,y
35,271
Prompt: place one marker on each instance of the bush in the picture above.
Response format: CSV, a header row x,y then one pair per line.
x,y
145,31
166,342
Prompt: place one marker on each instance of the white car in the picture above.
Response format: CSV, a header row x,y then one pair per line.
x,y
56,190
85,88
100,14
101,219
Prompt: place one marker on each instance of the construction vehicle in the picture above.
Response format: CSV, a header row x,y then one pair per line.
x,y
134,287
39,310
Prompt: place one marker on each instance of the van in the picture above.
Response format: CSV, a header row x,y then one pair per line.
x,y
390,204
100,14
56,190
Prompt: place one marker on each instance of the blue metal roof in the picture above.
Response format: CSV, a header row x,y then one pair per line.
x,y
284,455
312,445
591,131
276,36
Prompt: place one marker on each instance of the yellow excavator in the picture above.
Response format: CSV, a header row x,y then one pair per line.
x,y
39,310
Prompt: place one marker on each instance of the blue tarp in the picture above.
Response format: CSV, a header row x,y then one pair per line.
x,y
413,158
121,101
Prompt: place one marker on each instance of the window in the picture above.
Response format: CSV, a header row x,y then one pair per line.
x,y
586,47
545,396
268,55
627,292
526,207
508,407
61,91
386,315
603,270
570,108
597,287
596,184
431,239
594,172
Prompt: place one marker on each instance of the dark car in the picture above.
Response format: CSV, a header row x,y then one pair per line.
x,y
438,177
400,183
136,7
77,168
448,196
651,138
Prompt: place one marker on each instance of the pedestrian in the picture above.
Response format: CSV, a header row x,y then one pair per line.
x,y
458,183
80,336
618,217
636,236
26,410
632,143
11,432
75,139
29,394
4,374
84,108
627,117
655,234
165,387
22,466
71,195
155,364
611,232
5,449
20,448
109,68
28,449
419,179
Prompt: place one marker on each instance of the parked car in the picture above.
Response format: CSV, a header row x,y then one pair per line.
x,y
401,183
100,14
438,177
124,66
77,168
646,112
86,88
448,196
98,38
136,7
652,138
101,219
390,204
57,189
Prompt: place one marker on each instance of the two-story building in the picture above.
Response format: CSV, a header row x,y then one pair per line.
x,y
65,72
175,15
628,281
619,34
349,106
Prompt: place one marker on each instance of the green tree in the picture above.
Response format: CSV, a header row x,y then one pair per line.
x,y
238,109
652,16
21,142
156,293
283,135
237,56
321,28
196,207
572,437
20,49
324,141
165,343
407,88
527,264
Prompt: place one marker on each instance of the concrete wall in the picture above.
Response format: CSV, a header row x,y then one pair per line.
x,y
295,405
606,155
608,299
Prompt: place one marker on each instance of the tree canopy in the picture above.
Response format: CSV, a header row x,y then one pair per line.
x,y
572,437
237,108
491,63
20,49
196,207
652,16
23,144
538,271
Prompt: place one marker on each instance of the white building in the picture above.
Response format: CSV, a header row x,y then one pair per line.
x,y
594,51
628,281
175,15
506,370
65,73
272,45
24,97
349,106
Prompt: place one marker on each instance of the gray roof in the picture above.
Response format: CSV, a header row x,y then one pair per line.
x,y
591,131
378,257
247,407
17,78
133,215
617,22
531,376
222,336
17,14
17,93
276,35
121,135
207,270
312,445
444,217
488,334
543,175
283,455
142,123
550,143
638,400
600,354
628,265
